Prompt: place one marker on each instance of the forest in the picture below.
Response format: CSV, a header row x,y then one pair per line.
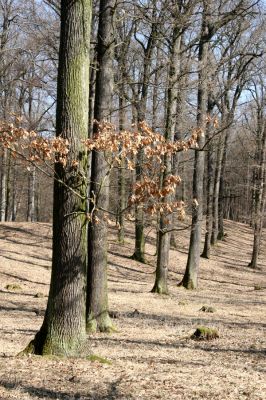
x,y
132,199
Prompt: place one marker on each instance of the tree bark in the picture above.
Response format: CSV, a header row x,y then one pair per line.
x,y
139,252
163,246
260,197
31,195
190,279
220,234
121,173
209,195
3,187
63,331
97,298
215,209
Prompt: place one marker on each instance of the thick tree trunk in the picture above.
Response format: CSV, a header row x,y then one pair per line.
x,y
93,68
260,197
209,216
121,174
216,190
220,234
178,165
3,187
190,279
97,298
139,252
163,246
209,190
63,331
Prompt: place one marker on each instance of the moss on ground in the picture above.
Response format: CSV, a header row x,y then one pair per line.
x,y
95,358
205,333
13,287
208,309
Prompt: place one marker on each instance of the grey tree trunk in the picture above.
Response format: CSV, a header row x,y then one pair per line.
x,y
97,298
3,187
216,190
121,174
31,195
63,331
220,234
163,246
190,279
139,252
14,201
209,196
260,197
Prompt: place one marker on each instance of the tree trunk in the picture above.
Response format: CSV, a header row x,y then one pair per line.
x,y
139,252
121,174
63,331
190,279
209,214
215,209
97,298
163,246
260,198
14,201
3,186
220,234
31,195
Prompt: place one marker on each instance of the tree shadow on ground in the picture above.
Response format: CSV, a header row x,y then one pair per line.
x,y
207,346
22,308
190,321
21,278
32,232
6,292
8,257
112,392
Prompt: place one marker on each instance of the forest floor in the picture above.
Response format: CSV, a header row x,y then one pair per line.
x,y
152,355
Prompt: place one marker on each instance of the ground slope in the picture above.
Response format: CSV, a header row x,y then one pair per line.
x,y
151,355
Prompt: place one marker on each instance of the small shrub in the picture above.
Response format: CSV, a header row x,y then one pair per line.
x,y
205,333
13,287
208,309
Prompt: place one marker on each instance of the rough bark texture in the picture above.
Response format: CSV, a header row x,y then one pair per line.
x,y
163,246
97,298
209,216
121,174
3,187
139,252
191,274
63,331
260,196
220,234
216,190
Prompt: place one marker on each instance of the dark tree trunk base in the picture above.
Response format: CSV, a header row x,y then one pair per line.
x,y
121,240
220,236
160,288
41,345
188,284
205,254
138,257
173,242
101,324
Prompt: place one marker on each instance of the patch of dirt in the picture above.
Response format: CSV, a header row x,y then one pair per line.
x,y
152,355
